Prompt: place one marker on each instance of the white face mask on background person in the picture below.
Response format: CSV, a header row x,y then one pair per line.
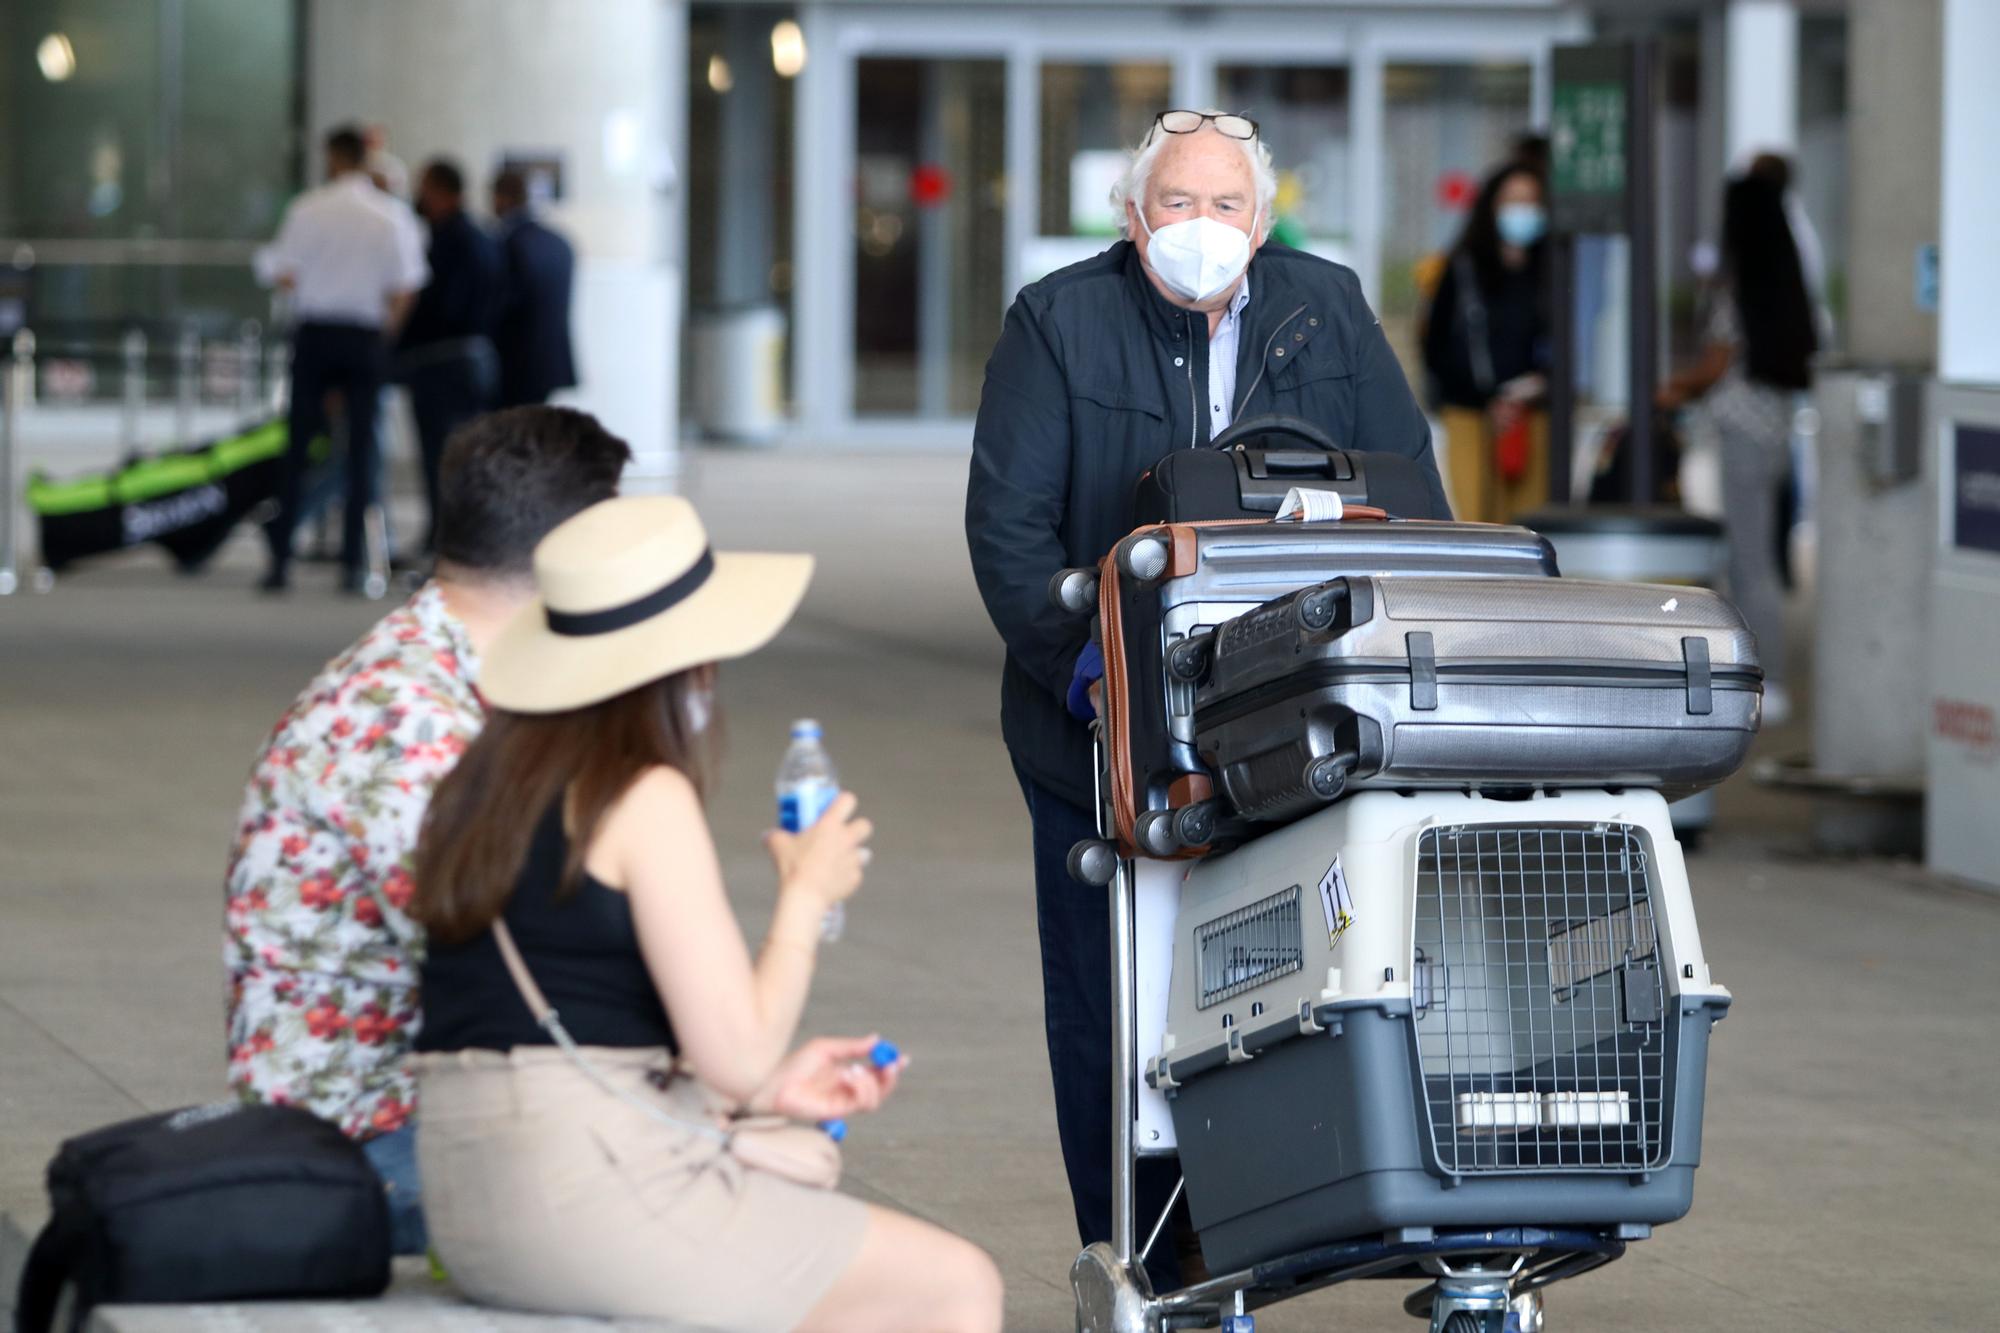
x,y
1199,257
1521,225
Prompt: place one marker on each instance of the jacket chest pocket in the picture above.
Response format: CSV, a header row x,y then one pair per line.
x,y
1107,417
1315,382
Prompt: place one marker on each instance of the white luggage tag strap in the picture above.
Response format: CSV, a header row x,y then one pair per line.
x,y
1302,505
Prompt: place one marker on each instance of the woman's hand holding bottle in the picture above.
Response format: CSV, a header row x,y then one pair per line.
x,y
826,860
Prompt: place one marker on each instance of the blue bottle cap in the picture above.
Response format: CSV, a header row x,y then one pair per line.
x,y
805,729
835,1129
883,1054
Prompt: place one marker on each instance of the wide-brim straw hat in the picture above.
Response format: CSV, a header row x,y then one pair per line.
x,y
630,592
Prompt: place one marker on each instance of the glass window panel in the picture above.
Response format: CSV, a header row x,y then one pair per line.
x,y
1092,116
1302,115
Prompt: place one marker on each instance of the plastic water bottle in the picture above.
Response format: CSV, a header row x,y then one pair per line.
x,y
807,785
881,1055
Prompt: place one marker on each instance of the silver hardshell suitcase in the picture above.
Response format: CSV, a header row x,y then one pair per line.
x,y
1176,582
1389,682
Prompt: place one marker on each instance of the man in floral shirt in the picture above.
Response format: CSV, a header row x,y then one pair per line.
x,y
322,960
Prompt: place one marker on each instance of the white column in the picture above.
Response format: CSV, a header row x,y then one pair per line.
x,y
600,86
1763,78
1969,261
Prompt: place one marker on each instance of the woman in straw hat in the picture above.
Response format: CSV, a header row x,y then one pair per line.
x,y
593,1017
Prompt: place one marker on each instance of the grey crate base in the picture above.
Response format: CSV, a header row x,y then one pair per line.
x,y
1321,1139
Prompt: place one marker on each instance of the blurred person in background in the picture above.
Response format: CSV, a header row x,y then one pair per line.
x,y
531,332
1486,346
353,265
1194,320
321,955
580,1164
1755,361
387,170
445,354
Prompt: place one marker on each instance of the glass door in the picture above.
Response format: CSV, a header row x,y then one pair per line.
x,y
929,232
1303,116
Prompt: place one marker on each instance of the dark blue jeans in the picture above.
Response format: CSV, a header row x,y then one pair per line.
x,y
394,1157
1075,925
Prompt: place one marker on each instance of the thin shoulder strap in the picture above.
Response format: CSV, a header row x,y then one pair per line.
x,y
524,980
550,1022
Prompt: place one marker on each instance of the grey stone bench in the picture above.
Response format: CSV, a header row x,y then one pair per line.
x,y
415,1301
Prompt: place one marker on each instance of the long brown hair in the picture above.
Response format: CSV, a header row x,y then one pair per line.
x,y
484,814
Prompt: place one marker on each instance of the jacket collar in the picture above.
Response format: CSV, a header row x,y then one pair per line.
x,y
1270,299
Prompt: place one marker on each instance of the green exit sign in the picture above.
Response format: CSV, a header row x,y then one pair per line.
x,y
1589,140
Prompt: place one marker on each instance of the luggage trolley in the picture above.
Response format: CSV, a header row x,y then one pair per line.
x,y
1476,1124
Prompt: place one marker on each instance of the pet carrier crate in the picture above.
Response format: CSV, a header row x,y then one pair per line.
x,y
1413,1012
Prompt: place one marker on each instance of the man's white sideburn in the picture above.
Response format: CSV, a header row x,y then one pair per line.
x,y
1200,257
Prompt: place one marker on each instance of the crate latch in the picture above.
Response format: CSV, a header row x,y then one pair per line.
x,y
1694,652
1424,671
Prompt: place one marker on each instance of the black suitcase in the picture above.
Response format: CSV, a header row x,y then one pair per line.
x,y
1248,469
1164,586
1390,682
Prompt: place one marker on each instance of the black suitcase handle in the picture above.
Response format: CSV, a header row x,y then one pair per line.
x,y
1275,423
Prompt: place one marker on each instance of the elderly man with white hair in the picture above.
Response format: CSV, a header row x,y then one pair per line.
x,y
1194,320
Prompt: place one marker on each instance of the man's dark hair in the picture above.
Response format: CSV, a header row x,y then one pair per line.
x,y
510,476
510,188
444,173
347,147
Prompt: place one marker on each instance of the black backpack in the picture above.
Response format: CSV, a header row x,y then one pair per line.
x,y
1247,469
209,1203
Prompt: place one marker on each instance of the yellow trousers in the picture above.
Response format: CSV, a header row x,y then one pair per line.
x,y
1479,494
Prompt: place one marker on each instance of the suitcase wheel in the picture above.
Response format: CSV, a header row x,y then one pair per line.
x,y
1143,558
1194,825
1317,610
1326,777
1074,591
1093,861
1154,833
1189,659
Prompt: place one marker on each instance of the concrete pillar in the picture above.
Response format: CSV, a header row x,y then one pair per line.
x,y
1763,78
1968,334
1894,65
601,86
743,208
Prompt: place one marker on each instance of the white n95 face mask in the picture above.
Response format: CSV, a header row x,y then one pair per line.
x,y
1199,257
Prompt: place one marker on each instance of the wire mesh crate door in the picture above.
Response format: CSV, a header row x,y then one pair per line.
x,y
1539,1001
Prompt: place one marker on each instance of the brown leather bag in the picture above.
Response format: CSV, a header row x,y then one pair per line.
x,y
804,1154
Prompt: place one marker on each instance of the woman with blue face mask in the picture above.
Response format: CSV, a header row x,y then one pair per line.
x,y
1486,345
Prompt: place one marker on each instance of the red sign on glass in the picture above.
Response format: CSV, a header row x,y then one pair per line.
x,y
930,185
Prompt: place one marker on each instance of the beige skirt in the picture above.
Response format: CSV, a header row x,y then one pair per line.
x,y
543,1192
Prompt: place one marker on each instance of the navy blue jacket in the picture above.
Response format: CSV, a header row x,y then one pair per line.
x,y
463,293
532,332
1095,378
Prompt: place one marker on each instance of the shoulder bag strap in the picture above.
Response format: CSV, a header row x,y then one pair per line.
x,y
550,1022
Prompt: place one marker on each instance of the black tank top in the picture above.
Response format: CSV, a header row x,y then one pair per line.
x,y
581,949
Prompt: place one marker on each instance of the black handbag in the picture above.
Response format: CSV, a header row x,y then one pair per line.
x,y
209,1203
1247,469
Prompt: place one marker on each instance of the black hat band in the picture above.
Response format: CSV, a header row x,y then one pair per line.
x,y
581,624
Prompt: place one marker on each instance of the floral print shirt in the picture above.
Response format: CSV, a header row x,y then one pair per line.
x,y
322,959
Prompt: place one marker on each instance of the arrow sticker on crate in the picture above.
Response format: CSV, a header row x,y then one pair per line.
x,y
1335,901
